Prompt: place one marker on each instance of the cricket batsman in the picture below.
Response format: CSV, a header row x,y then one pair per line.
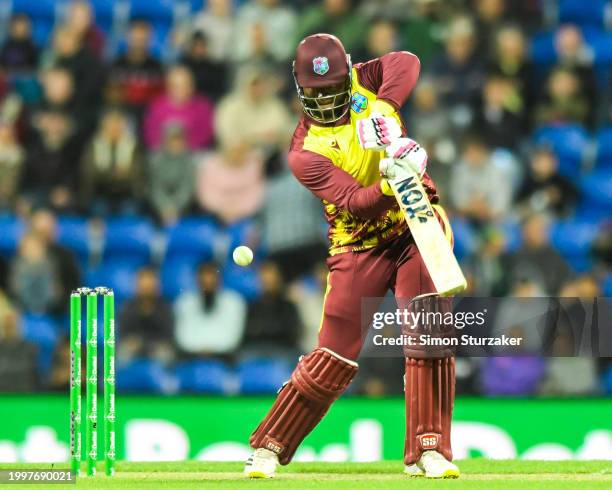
x,y
348,143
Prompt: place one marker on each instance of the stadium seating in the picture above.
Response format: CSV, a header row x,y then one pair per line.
x,y
584,13
263,375
574,236
607,286
244,280
568,141
145,376
178,274
42,331
205,376
37,9
194,237
73,233
120,275
604,147
596,189
12,230
129,237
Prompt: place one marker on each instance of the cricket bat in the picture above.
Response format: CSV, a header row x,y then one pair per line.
x,y
428,234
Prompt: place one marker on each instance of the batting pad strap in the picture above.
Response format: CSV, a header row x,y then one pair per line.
x,y
323,375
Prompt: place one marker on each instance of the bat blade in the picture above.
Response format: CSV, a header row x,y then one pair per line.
x,y
428,235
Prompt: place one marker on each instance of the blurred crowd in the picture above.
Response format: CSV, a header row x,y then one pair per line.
x,y
186,114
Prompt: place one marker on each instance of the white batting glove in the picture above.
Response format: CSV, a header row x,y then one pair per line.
x,y
408,154
377,131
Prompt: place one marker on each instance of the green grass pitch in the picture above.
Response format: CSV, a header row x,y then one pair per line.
x,y
476,474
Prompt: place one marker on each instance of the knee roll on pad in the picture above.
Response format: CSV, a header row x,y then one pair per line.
x,y
430,315
318,379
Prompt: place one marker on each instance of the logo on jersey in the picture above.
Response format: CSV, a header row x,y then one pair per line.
x,y
359,102
320,65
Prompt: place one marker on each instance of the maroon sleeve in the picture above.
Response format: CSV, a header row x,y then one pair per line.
x,y
391,77
336,186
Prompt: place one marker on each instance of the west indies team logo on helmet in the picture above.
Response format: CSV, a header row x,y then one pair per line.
x,y
322,75
320,65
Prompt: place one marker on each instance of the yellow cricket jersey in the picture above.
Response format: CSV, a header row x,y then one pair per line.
x,y
330,161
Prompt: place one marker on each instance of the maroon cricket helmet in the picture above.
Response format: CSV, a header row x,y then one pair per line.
x,y
321,63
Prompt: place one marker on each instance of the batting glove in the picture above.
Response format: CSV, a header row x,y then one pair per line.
x,y
408,154
377,131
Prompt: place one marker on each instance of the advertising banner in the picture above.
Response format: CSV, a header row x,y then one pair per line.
x,y
36,429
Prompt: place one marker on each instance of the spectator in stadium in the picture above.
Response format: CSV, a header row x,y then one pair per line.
x,y
209,321
216,21
459,72
18,369
422,32
51,169
12,158
43,225
490,16
210,75
254,114
180,105
292,227
498,117
57,95
382,39
510,61
487,266
69,52
171,176
136,76
544,189
230,182
575,55
273,322
536,260
390,9
308,295
19,53
564,100
275,26
571,371
147,321
33,277
338,17
567,374
430,124
80,19
112,171
480,190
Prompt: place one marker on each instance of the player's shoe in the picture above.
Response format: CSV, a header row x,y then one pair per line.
x,y
261,464
413,470
437,466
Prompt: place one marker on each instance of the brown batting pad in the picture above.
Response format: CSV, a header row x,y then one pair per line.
x,y
318,379
430,395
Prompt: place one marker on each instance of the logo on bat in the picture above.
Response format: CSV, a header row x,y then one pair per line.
x,y
320,65
414,202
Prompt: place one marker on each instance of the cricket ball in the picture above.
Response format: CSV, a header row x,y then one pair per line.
x,y
242,255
